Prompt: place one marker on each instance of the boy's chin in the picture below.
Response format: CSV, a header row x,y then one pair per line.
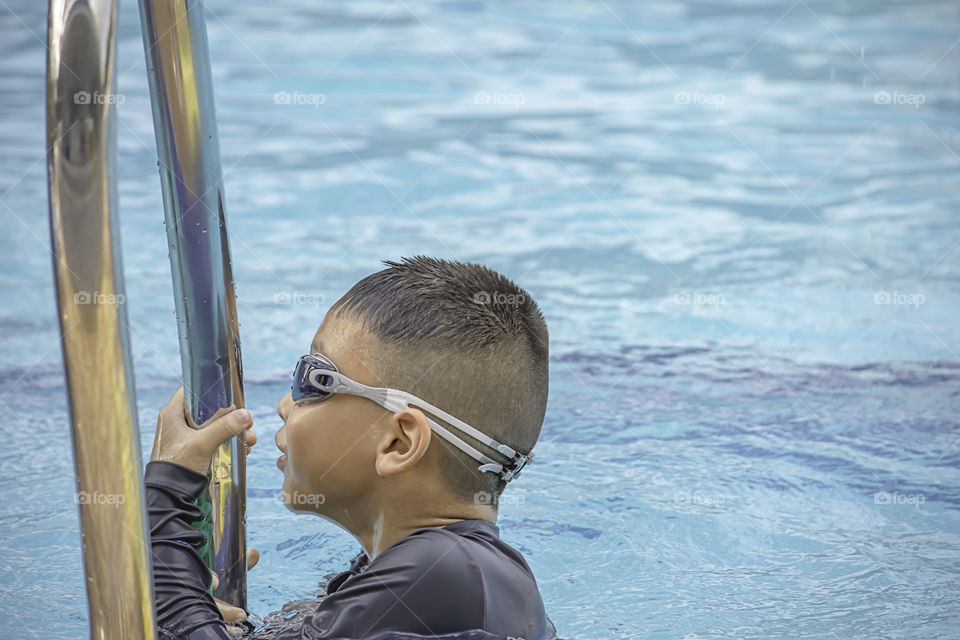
x,y
299,500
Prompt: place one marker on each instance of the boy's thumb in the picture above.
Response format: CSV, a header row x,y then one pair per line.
x,y
224,428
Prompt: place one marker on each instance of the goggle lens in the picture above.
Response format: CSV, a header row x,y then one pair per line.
x,y
303,388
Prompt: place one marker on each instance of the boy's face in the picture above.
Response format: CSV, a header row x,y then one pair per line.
x,y
330,446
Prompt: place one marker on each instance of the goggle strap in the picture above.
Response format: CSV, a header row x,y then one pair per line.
x,y
396,400
489,463
459,424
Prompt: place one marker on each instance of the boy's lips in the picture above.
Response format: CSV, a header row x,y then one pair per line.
x,y
281,440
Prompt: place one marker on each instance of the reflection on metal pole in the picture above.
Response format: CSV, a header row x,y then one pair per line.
x,y
81,159
181,91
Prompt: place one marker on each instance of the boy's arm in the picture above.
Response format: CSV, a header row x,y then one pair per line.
x,y
185,608
173,480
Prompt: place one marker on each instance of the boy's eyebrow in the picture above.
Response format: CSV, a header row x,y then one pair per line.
x,y
316,347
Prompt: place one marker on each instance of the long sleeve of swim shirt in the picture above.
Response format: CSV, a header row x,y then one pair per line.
x,y
458,582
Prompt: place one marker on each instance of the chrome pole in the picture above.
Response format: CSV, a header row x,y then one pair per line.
x,y
88,276
181,91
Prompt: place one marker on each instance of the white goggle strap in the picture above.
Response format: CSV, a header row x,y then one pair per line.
x,y
396,400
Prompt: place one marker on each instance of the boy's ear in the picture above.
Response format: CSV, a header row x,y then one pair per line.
x,y
404,442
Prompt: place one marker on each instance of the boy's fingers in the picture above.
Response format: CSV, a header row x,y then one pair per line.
x,y
222,411
173,410
219,431
229,612
253,557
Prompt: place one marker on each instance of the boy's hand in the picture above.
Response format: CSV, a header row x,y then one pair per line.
x,y
179,442
231,614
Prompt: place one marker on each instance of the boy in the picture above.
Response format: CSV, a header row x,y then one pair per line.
x,y
423,395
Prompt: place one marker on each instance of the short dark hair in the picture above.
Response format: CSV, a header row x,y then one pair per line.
x,y
466,339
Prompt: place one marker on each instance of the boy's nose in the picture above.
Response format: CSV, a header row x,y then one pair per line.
x,y
283,407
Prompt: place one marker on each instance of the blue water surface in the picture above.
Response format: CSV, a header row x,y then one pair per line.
x,y
740,218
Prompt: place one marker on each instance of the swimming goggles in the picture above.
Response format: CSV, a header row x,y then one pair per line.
x,y
316,378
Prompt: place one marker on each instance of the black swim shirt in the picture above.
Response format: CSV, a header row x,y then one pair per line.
x,y
457,581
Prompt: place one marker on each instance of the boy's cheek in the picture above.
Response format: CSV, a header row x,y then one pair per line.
x,y
328,460
307,463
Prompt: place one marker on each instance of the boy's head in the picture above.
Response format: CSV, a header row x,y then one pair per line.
x,y
459,336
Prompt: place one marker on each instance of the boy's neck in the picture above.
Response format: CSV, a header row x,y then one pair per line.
x,y
391,524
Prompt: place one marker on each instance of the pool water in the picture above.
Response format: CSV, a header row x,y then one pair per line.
x,y
740,218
